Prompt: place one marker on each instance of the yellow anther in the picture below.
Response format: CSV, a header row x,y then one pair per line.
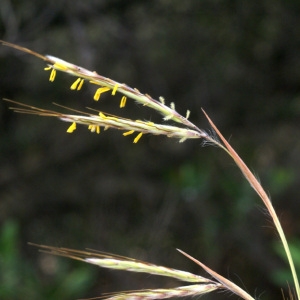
x,y
114,89
112,118
77,85
102,115
52,74
60,66
94,82
94,128
128,132
99,92
136,139
71,128
123,101
80,84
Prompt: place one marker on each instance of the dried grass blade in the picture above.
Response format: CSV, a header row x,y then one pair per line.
x,y
225,282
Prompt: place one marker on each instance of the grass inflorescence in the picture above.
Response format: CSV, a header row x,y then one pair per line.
x,y
95,120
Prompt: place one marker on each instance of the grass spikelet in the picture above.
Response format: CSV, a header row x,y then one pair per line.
x,y
111,261
182,291
107,120
58,64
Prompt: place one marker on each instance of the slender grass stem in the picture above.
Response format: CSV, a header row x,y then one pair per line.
x,y
264,197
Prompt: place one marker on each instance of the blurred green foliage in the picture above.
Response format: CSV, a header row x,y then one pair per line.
x,y
19,280
282,276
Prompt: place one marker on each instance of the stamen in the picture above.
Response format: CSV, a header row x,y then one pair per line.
x,y
115,89
102,115
188,112
123,102
137,138
77,84
80,84
169,117
71,128
95,82
99,92
128,132
52,74
94,128
162,100
62,65
172,105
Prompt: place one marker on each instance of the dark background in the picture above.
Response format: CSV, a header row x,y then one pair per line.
x,y
239,60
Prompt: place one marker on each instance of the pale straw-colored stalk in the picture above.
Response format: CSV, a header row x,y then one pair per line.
x,y
95,121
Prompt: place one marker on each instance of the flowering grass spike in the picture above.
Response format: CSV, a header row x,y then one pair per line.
x,y
94,120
